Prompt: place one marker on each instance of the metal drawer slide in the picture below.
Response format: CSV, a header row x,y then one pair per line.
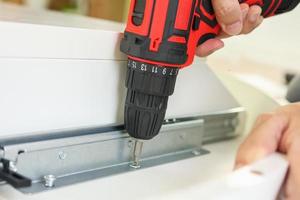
x,y
56,159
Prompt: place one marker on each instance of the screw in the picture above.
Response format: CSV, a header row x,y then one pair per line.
x,y
257,172
49,180
196,152
12,166
135,165
182,136
129,144
62,155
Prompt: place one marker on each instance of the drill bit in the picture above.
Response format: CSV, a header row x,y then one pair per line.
x,y
136,154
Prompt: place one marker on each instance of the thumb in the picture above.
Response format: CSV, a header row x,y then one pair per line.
x,y
262,141
293,181
229,15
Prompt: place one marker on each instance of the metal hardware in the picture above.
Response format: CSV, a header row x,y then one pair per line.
x,y
105,151
12,166
49,180
196,152
62,155
8,173
137,149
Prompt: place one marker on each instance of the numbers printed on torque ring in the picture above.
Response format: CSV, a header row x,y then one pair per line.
x,y
156,69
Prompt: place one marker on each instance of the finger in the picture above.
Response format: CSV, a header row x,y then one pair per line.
x,y
223,35
262,119
209,47
253,19
229,15
245,8
292,112
262,141
293,182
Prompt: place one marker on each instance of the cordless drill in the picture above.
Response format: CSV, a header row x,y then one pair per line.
x,y
160,38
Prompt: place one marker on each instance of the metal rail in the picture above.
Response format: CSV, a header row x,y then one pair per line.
x,y
60,158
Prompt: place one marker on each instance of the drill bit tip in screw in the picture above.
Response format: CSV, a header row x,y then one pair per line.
x,y
136,154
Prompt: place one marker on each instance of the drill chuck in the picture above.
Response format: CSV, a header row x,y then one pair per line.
x,y
148,89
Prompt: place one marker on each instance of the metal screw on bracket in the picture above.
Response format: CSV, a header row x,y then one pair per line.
x,y
182,136
62,155
196,152
130,143
49,180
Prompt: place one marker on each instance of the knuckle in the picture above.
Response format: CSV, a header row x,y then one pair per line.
x,y
223,10
291,109
257,8
264,116
249,28
279,120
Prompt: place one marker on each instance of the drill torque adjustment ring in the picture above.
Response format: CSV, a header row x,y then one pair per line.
x,y
149,87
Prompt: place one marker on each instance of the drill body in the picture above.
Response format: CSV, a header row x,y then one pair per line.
x,y
160,38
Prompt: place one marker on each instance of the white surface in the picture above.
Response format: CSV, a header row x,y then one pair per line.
x,y
45,94
21,40
260,181
272,88
30,33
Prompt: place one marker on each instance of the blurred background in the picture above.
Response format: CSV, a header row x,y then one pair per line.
x,y
115,10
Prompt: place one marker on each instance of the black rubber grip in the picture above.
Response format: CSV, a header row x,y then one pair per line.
x,y
148,90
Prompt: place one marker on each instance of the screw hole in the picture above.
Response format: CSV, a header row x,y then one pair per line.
x,y
257,172
21,151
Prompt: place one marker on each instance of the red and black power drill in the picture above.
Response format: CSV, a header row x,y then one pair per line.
x,y
160,38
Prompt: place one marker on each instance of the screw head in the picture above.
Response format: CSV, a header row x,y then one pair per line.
x,y
182,136
135,165
12,166
62,155
130,143
49,180
196,152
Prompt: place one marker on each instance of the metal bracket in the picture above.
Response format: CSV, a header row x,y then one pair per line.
x,y
51,160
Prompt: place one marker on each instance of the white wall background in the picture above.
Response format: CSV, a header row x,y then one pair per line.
x,y
275,43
